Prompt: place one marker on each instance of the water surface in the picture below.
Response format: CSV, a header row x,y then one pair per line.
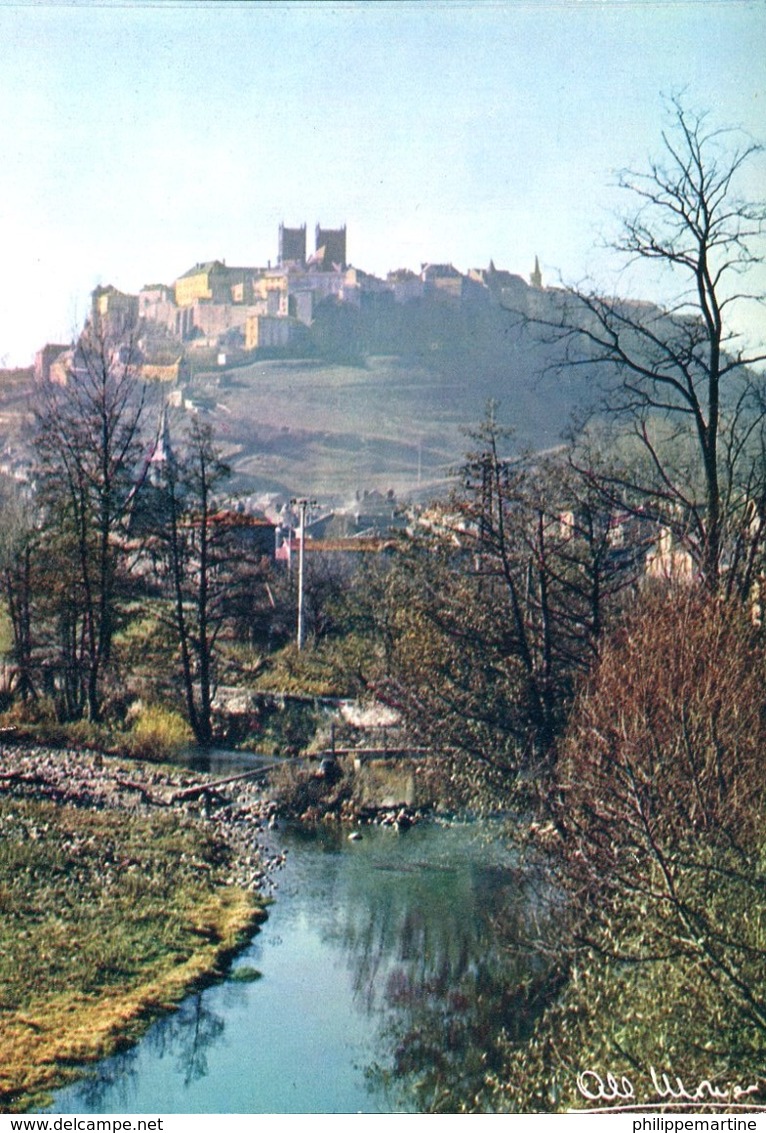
x,y
374,960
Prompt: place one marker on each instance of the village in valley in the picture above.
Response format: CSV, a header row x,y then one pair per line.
x,y
255,352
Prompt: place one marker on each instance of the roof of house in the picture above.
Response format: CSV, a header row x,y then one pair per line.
x,y
498,277
439,271
228,518
351,545
205,268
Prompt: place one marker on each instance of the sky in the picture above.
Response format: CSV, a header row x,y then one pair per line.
x,y
139,138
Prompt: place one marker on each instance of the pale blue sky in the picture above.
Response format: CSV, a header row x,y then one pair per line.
x,y
138,138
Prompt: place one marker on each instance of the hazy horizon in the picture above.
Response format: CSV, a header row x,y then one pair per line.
x,y
141,138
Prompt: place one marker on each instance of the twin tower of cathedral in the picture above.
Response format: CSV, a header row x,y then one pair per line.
x,y
329,245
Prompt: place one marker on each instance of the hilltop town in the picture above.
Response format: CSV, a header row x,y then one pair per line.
x,y
319,377
242,313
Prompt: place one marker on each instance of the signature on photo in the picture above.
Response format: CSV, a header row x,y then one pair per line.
x,y
618,1092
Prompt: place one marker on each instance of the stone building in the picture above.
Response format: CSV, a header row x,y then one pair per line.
x,y
406,285
214,282
156,304
669,562
45,360
272,288
443,282
171,373
113,311
269,332
211,322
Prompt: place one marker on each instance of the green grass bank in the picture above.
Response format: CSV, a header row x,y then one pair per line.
x,y
107,918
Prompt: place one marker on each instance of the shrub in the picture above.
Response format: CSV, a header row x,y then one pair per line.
x,y
158,733
662,801
659,848
665,753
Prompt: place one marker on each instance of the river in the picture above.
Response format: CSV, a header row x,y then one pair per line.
x,y
378,962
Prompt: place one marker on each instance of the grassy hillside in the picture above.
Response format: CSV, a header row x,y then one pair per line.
x,y
328,430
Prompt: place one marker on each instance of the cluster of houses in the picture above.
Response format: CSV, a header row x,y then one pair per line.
x,y
636,545
216,306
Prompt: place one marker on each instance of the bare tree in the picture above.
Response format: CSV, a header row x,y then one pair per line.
x,y
210,573
88,449
685,390
489,623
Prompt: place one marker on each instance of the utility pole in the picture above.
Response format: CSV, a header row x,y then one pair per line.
x,y
303,504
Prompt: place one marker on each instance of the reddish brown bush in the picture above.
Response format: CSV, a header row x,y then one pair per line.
x,y
662,793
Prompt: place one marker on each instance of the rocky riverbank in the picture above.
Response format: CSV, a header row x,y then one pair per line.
x,y
238,812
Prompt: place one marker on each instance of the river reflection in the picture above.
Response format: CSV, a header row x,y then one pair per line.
x,y
222,761
183,1038
383,965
